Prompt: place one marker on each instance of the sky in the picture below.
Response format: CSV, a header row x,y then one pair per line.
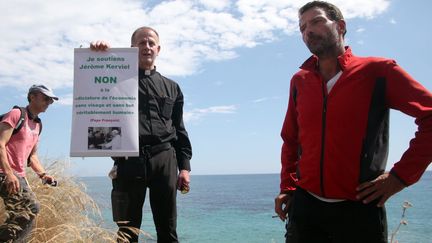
x,y
233,60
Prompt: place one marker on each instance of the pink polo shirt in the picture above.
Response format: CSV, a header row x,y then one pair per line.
x,y
20,144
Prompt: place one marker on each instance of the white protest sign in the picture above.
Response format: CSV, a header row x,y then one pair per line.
x,y
105,103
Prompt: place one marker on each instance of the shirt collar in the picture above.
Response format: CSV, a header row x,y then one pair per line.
x,y
32,117
146,72
312,62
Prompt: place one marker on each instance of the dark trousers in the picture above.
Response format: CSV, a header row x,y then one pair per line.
x,y
312,220
135,175
21,209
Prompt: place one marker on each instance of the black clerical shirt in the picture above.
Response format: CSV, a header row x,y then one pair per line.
x,y
161,115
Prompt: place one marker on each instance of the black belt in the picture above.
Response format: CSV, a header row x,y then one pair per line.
x,y
147,151
155,149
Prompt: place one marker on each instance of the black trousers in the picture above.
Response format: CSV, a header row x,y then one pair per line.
x,y
134,176
312,220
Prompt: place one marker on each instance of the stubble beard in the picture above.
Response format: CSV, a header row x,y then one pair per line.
x,y
325,45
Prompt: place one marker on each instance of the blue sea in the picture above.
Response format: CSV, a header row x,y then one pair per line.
x,y
239,208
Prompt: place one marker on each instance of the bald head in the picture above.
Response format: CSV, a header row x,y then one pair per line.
x,y
144,28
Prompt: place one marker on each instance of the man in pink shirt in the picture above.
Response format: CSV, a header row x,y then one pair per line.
x,y
17,150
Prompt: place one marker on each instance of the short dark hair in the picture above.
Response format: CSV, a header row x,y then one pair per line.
x,y
140,29
331,10
31,93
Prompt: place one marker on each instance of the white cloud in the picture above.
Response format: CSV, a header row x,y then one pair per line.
x,y
264,99
216,5
65,100
197,114
393,21
360,30
38,37
362,9
260,100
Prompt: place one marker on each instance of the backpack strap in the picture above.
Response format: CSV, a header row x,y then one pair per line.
x,y
20,122
40,127
37,119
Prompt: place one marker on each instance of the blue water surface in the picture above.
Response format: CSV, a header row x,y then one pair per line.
x,y
239,208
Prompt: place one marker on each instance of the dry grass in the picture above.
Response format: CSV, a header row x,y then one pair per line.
x,y
67,213
403,221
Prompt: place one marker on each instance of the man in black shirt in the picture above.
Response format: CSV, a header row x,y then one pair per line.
x,y
164,149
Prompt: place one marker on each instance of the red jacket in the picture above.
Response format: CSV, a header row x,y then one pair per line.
x,y
333,142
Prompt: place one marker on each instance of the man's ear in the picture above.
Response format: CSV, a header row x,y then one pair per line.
x,y
341,26
32,96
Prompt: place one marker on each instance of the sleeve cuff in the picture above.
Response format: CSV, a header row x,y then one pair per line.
x,y
397,177
184,165
290,192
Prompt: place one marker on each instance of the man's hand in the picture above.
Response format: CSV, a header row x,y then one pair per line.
x,y
99,45
183,181
47,179
383,187
282,201
12,183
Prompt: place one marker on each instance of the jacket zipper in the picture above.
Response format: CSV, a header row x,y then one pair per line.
x,y
324,113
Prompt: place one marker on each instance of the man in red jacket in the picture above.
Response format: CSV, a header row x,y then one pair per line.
x,y
335,137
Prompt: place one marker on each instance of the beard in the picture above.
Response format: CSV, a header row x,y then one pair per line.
x,y
320,45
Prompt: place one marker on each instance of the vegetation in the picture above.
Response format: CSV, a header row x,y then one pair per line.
x,y
67,213
403,221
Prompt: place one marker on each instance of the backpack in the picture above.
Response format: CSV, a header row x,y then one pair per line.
x,y
21,120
